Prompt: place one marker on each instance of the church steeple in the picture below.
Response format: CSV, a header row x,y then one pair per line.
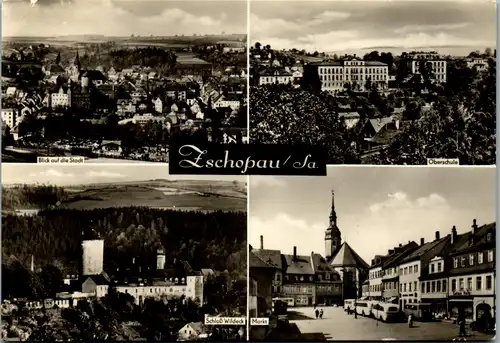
x,y
333,214
333,239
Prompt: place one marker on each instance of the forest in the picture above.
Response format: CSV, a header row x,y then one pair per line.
x,y
214,240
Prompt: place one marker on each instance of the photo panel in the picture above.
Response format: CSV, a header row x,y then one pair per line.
x,y
113,253
115,80
373,254
404,82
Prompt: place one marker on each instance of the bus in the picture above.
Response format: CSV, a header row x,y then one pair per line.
x,y
349,305
420,311
364,308
289,301
385,312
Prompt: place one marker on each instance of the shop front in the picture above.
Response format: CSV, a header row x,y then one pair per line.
x,y
462,304
438,306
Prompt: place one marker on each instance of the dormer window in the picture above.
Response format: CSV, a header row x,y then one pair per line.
x,y
489,236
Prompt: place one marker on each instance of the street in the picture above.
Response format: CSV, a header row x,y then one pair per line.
x,y
338,325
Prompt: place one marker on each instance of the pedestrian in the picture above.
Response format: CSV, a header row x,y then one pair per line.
x,y
321,314
317,313
462,332
410,321
314,305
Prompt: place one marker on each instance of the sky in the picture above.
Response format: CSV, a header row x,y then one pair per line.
x,y
123,17
338,25
377,207
76,174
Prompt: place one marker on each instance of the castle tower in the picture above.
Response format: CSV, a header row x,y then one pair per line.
x,y
332,234
160,259
93,257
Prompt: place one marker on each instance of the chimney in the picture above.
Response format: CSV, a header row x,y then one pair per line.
x,y
261,242
400,245
453,234
294,253
437,235
474,227
422,241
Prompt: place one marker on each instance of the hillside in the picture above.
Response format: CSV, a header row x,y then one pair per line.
x,y
201,195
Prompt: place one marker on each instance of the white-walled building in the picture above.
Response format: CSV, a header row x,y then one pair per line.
x,y
436,63
61,98
335,75
11,117
275,77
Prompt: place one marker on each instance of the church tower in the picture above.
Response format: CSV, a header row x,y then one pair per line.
x,y
332,234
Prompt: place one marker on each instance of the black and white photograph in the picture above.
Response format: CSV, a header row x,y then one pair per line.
x,y
122,253
374,254
376,82
113,80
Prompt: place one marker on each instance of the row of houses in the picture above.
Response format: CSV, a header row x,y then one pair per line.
x,y
453,273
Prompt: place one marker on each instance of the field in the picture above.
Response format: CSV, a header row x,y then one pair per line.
x,y
178,195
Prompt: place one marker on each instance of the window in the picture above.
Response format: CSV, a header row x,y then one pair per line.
x,y
444,285
453,285
455,262
410,270
479,281
400,287
489,236
415,268
433,287
404,288
469,283
439,267
409,287
422,287
432,268
489,283
461,284
406,270
490,255
428,286
471,259
462,261
438,286
480,257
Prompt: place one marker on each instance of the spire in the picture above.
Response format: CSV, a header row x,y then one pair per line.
x,y
333,214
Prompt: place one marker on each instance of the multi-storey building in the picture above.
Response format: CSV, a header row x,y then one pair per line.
x,y
410,268
299,282
355,73
472,274
261,281
375,274
274,258
390,271
432,61
61,98
275,76
327,282
10,117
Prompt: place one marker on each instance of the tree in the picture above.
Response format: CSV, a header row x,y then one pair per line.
x,y
284,115
58,58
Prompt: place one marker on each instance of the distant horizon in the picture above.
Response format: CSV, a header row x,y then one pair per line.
x,y
128,36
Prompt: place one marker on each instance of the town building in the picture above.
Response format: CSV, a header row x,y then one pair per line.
x,y
355,73
410,268
471,283
11,117
192,331
431,60
61,98
275,76
261,275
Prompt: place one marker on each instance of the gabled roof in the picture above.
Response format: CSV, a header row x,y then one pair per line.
x,y
320,264
299,265
463,241
197,327
379,123
399,254
56,68
423,249
272,257
100,279
347,257
256,262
